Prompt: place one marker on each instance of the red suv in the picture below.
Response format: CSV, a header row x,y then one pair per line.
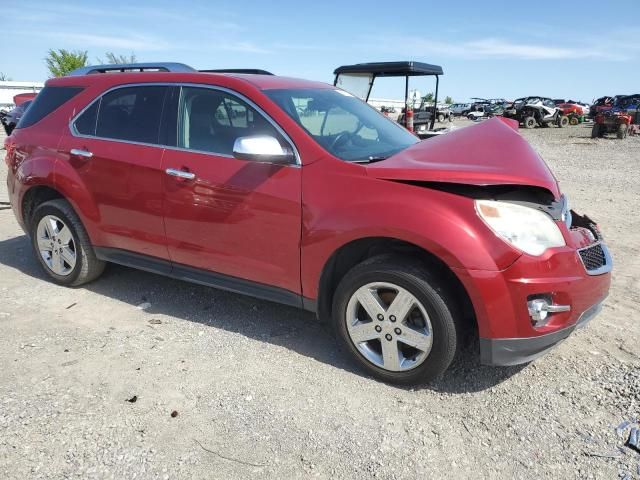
x,y
297,192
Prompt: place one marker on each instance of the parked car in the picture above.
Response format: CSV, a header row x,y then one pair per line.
x,y
485,111
532,112
458,108
11,118
404,246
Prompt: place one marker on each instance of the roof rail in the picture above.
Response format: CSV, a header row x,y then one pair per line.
x,y
133,67
253,71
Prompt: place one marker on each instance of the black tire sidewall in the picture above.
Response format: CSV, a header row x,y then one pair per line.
x,y
443,325
49,209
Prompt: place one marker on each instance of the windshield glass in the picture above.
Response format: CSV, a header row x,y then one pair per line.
x,y
343,125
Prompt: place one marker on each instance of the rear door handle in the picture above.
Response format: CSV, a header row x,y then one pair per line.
x,y
174,172
78,152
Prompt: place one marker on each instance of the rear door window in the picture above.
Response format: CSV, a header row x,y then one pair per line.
x,y
48,100
130,113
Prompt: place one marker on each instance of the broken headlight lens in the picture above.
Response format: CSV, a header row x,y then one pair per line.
x,y
527,229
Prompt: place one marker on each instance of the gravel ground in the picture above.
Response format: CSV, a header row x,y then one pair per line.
x,y
261,391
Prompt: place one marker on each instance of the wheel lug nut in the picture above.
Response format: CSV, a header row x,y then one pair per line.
x,y
378,328
392,318
380,317
388,336
398,331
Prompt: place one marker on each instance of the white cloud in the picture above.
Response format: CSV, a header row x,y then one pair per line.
x,y
125,42
484,48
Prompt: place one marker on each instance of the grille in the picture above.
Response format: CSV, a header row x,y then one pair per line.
x,y
593,257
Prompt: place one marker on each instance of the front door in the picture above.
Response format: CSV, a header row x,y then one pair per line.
x,y
233,217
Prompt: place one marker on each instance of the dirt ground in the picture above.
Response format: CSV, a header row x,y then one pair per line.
x,y
261,390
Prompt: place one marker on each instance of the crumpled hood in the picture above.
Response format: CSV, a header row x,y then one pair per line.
x,y
490,153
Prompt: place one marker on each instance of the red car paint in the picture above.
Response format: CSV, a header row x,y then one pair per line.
x,y
23,97
568,108
280,225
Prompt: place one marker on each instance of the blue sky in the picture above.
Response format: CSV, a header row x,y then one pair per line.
x,y
578,49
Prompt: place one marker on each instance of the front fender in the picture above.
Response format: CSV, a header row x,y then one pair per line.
x,y
351,207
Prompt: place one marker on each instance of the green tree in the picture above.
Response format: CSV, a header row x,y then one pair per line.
x,y
448,100
4,77
112,58
62,62
428,97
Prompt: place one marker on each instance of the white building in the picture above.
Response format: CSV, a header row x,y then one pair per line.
x,y
9,89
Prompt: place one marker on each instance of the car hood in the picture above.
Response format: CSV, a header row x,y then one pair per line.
x,y
490,153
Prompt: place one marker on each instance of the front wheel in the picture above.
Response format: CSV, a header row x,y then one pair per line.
x,y
440,118
563,121
62,246
530,122
396,320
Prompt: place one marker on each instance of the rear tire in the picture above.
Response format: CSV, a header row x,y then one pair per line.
x,y
621,133
595,131
573,121
563,121
530,122
432,320
440,118
62,246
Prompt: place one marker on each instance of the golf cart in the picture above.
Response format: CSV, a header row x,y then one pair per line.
x,y
358,80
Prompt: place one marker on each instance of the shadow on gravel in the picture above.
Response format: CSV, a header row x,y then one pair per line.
x,y
280,325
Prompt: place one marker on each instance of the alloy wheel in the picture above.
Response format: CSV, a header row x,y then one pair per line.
x,y
56,245
389,326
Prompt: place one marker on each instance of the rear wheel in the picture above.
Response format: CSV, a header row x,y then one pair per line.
x,y
396,320
595,131
563,121
573,121
529,122
440,118
62,246
622,131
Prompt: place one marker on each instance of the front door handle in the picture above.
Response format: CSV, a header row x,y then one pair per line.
x,y
78,152
174,172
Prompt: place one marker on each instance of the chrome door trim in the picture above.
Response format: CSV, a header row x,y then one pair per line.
x,y
249,102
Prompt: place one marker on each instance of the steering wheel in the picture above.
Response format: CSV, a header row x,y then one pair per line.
x,y
342,137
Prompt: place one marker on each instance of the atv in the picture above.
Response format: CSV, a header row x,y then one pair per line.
x,y
623,118
532,112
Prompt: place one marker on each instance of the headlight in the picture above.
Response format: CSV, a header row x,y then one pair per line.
x,y
527,229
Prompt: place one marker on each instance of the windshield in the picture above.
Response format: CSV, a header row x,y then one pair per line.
x,y
343,125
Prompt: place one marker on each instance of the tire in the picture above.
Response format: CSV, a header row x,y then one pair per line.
x,y
450,118
595,131
48,222
563,121
440,118
529,122
621,133
573,121
471,117
438,331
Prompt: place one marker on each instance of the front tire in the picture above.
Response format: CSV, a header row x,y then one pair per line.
x,y
396,320
530,122
62,246
595,131
621,133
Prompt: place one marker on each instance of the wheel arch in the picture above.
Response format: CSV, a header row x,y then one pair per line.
x,y
34,196
356,251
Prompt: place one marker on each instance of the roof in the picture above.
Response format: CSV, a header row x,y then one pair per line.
x,y
391,69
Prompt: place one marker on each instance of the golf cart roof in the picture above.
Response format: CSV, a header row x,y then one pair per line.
x,y
391,69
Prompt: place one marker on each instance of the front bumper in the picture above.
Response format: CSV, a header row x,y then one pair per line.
x,y
514,351
508,334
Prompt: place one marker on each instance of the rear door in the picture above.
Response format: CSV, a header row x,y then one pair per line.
x,y
115,149
236,217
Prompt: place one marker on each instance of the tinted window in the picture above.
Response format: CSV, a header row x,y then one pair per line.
x,y
131,113
86,123
211,121
46,102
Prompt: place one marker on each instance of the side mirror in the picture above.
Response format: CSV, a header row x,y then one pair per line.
x,y
262,148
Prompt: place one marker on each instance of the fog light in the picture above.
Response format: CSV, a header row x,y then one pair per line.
x,y
540,308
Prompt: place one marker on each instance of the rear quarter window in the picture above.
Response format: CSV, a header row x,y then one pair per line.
x,y
48,100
